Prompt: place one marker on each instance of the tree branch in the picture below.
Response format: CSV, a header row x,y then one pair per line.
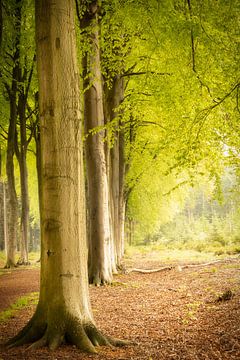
x,y
144,73
30,77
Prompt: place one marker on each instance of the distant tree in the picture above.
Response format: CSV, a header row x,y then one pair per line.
x,y
11,90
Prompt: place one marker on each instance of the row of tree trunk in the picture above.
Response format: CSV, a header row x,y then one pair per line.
x,y
105,167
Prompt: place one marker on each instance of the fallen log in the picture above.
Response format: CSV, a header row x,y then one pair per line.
x,y
149,271
180,267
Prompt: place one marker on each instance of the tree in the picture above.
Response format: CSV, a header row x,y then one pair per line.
x,y
101,248
63,312
11,91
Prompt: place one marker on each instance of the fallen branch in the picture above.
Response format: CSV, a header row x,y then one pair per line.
x,y
147,271
180,267
209,263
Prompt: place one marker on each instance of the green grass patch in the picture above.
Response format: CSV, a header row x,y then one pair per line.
x,y
22,302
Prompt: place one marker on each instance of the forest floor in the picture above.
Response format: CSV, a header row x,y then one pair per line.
x,y
189,313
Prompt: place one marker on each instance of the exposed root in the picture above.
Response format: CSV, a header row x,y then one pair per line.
x,y
22,262
99,280
85,336
30,333
96,337
38,344
56,341
10,265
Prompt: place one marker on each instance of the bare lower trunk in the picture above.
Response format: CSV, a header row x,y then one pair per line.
x,y
12,196
122,205
13,216
23,260
3,216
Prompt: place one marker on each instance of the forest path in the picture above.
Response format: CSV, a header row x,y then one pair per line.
x,y
17,283
170,315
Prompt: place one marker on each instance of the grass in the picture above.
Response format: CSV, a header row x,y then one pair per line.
x,y
170,256
22,302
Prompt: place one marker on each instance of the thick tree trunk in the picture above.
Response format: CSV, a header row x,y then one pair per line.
x,y
63,312
100,245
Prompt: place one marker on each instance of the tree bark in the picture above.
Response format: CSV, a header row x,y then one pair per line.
x,y
63,312
12,195
22,161
12,93
114,98
100,245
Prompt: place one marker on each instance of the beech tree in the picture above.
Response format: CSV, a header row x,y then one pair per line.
x,y
11,89
101,247
63,312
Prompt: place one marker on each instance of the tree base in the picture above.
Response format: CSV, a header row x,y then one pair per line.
x,y
99,280
22,262
60,330
10,265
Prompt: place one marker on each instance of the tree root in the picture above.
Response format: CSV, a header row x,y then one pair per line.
x,y
10,265
99,280
85,336
23,262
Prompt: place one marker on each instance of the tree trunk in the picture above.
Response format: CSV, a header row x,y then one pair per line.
x,y
12,196
2,216
100,246
117,169
2,207
12,93
63,312
22,160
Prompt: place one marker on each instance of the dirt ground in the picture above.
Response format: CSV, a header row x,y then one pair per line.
x,y
170,315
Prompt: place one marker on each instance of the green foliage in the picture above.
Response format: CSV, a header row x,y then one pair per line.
x,y
179,110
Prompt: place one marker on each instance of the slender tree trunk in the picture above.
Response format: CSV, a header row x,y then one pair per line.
x,y
2,214
21,152
117,170
63,312
5,217
122,203
12,196
100,246
12,93
2,237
